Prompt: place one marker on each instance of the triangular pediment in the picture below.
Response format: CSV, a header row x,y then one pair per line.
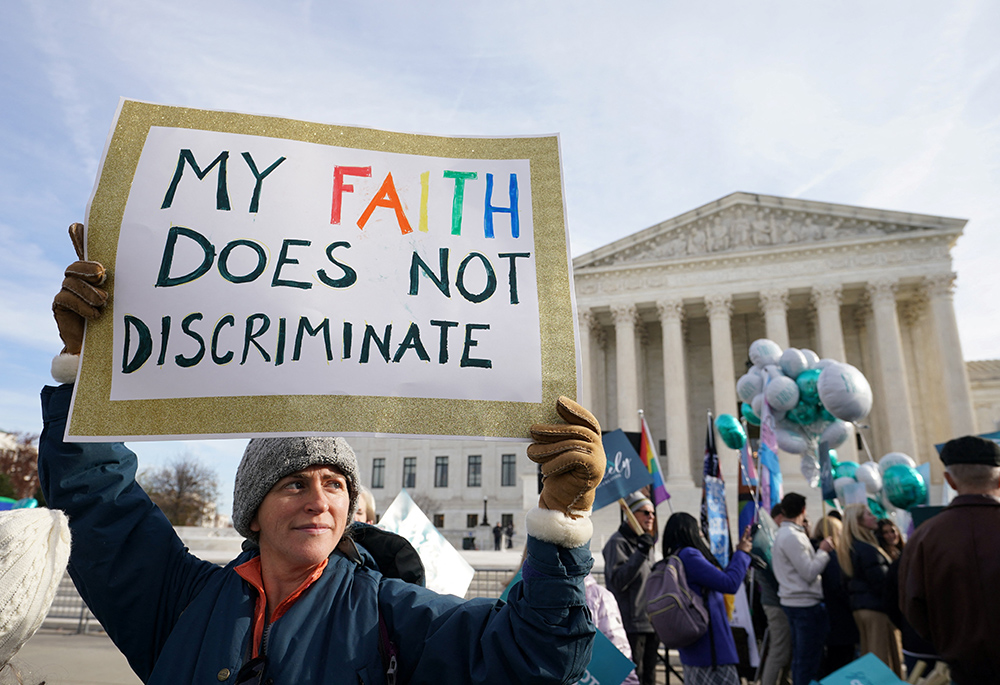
x,y
744,222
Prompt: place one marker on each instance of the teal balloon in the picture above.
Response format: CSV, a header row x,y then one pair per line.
x,y
904,486
876,508
845,469
803,413
833,458
747,411
807,381
731,431
824,415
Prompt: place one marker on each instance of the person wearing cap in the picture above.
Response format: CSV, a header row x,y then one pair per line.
x,y
307,601
949,573
628,561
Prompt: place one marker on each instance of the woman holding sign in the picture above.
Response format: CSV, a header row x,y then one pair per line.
x,y
310,600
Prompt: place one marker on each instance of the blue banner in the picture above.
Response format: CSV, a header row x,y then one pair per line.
x,y
625,474
718,521
826,472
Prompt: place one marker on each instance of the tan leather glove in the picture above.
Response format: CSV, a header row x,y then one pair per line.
x,y
80,299
572,459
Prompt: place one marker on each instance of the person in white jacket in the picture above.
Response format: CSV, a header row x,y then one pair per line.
x,y
798,568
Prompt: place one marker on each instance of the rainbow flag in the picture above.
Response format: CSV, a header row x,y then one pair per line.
x,y
648,455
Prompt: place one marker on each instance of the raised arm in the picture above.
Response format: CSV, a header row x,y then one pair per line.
x,y
127,562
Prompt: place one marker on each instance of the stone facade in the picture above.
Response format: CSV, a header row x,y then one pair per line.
x,y
984,377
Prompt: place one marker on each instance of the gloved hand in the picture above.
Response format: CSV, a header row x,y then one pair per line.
x,y
80,299
645,543
572,459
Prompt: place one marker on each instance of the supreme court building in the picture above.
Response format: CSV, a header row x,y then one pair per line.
x,y
666,318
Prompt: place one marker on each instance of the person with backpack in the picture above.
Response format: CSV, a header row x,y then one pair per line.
x,y
712,658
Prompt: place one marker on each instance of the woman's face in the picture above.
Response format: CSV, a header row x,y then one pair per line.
x,y
868,520
890,535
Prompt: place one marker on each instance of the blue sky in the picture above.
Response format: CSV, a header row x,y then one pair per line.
x,y
660,106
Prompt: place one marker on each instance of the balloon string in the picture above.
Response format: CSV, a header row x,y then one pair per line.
x,y
864,443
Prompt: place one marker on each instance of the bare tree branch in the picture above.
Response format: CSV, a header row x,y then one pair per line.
x,y
184,490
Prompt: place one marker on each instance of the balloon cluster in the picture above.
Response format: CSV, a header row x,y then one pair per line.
x,y
811,399
894,478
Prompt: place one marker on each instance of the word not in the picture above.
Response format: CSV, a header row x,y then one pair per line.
x,y
138,347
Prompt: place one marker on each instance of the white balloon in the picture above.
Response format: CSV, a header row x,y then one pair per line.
x,y
893,458
764,352
869,474
793,362
836,433
839,484
810,469
782,393
749,385
823,363
811,357
793,443
773,371
845,392
757,404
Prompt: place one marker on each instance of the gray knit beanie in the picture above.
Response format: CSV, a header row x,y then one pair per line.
x,y
268,460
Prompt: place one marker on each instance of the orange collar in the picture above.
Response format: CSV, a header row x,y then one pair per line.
x,y
250,572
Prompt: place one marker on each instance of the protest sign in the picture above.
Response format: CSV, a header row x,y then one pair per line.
x,y
446,570
625,472
272,276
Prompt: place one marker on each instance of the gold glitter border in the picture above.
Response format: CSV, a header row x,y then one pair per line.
x,y
96,416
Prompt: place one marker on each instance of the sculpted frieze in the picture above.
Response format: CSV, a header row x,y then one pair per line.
x,y
745,228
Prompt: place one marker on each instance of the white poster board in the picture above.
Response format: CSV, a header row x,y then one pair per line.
x,y
275,277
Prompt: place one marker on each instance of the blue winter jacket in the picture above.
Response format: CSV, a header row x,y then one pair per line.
x,y
179,619
701,573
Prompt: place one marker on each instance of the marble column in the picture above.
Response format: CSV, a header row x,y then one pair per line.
x,y
954,376
720,309
625,318
675,392
888,341
774,307
585,391
826,299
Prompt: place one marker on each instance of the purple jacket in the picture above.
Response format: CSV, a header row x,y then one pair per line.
x,y
701,573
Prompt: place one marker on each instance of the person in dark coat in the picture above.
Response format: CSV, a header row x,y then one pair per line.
x,y
865,564
948,572
842,641
628,560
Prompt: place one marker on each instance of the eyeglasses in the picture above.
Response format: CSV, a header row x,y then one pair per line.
x,y
645,512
